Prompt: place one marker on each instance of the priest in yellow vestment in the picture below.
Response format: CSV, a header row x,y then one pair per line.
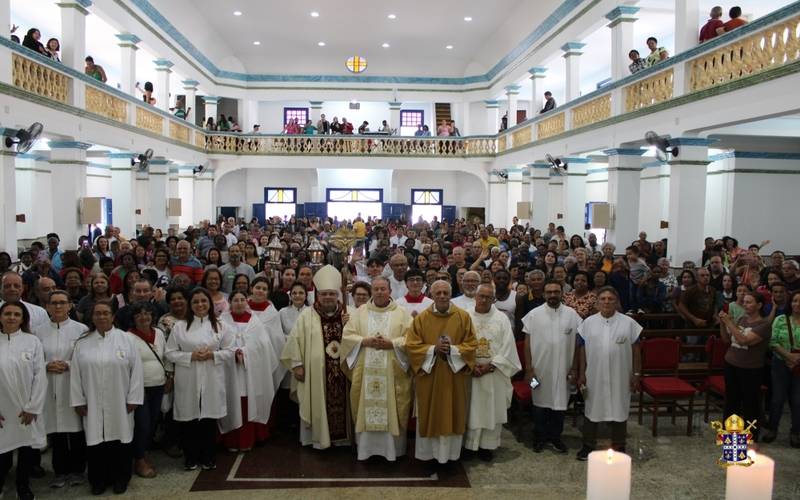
x,y
312,353
374,359
441,347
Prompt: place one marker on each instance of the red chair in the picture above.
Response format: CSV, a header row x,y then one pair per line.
x,y
715,381
521,387
660,360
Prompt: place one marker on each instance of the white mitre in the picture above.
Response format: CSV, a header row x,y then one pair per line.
x,y
328,278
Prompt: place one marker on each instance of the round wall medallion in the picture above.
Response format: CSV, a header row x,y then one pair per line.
x,y
356,64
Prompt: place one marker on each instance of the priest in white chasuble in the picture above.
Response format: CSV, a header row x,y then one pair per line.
x,y
496,361
441,349
313,354
374,359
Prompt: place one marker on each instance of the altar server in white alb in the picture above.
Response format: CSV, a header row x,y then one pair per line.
x,y
610,366
414,301
264,310
198,348
64,427
23,386
550,358
106,386
496,361
373,358
249,387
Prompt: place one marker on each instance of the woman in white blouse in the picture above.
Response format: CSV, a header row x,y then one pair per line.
x,y
23,386
106,386
63,425
157,373
198,347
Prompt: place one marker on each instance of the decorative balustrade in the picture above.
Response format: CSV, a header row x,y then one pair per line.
x,y
551,126
179,132
591,112
39,79
521,136
149,121
502,143
104,104
774,46
653,90
334,145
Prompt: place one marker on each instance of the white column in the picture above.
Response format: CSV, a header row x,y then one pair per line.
x,y
34,190
537,89
497,200
173,190
204,208
158,194
210,108
394,116
68,176
73,33
572,58
513,194
5,55
127,49
464,124
8,201
540,194
186,194
248,114
162,84
492,118
622,19
624,184
687,13
512,93
687,199
575,195
526,183
314,111
123,193
190,91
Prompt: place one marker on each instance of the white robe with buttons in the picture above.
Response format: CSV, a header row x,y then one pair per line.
x,y
552,346
271,319
106,376
199,385
609,365
23,386
58,341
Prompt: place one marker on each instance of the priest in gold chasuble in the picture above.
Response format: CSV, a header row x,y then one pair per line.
x,y
441,347
373,358
313,354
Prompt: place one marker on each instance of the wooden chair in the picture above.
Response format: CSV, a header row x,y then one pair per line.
x,y
660,360
714,382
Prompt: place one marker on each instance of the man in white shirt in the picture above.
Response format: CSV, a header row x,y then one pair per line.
x,y
469,286
550,359
12,292
399,239
399,266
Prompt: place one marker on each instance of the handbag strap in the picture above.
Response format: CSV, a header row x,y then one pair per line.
x,y
789,328
159,357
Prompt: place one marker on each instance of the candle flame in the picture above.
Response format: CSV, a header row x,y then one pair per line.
x,y
610,455
752,454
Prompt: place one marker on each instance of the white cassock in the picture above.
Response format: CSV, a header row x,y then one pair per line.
x,y
38,315
252,378
288,315
552,344
464,302
609,365
271,319
490,394
398,287
58,341
106,375
199,385
413,307
23,387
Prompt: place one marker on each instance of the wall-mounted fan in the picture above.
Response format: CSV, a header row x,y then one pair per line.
x,y
25,137
662,145
200,169
142,160
556,164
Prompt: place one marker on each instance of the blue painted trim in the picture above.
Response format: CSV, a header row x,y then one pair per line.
x,y
441,196
513,170
539,165
190,83
624,152
654,164
572,46
576,159
621,11
6,131
101,166
293,190
491,104
30,156
755,155
69,145
84,3
315,103
395,103
120,155
559,14
159,161
162,63
328,194
128,38
512,88
210,99
538,71
596,170
691,141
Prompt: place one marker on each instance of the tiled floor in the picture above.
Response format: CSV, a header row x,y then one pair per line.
x,y
671,466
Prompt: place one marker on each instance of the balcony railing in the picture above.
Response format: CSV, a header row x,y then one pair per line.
x,y
759,48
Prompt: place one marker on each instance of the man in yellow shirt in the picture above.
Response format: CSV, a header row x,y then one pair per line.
x,y
488,240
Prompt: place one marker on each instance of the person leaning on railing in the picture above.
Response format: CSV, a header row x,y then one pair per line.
x,y
94,70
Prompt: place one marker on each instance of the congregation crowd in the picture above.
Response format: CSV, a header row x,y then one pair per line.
x,y
343,333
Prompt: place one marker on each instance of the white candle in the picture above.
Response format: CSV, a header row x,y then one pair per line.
x,y
609,476
750,483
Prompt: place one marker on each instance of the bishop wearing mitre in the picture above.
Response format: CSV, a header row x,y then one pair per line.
x,y
441,347
313,355
373,357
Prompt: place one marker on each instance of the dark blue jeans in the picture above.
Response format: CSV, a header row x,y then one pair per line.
x,y
548,424
784,385
145,418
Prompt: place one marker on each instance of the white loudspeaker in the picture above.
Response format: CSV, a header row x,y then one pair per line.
x,y
524,210
601,215
174,207
91,210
